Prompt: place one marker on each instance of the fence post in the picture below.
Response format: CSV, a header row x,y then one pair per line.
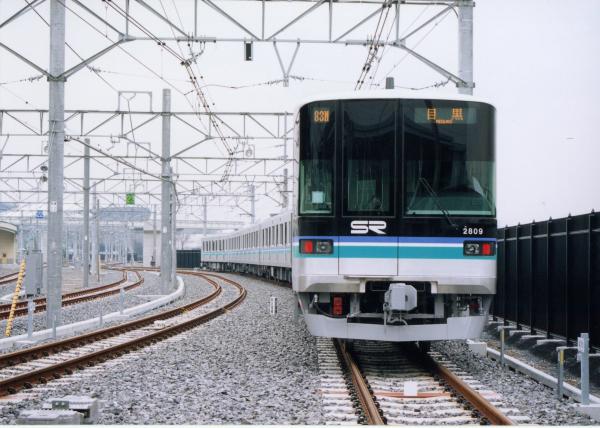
x,y
566,292
517,275
504,290
589,277
548,316
532,301
583,350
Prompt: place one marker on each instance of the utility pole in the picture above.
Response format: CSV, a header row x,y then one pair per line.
x,y
285,188
173,232
96,237
56,140
153,261
252,204
166,240
86,215
465,45
204,215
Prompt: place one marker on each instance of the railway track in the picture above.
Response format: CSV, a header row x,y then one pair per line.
x,y
8,278
379,383
37,365
75,297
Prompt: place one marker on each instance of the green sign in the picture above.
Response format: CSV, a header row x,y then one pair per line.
x,y
130,199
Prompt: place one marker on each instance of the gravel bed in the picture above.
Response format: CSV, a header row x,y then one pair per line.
x,y
245,367
546,362
86,310
531,398
142,294
69,276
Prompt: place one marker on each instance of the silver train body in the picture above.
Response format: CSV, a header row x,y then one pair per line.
x,y
392,233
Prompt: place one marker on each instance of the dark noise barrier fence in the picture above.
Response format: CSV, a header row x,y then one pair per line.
x,y
188,258
549,277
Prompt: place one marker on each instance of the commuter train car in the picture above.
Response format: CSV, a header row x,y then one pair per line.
x,y
263,249
393,226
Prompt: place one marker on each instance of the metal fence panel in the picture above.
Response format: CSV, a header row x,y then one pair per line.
x,y
549,276
188,258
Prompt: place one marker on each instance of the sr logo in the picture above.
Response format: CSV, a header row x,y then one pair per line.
x,y
362,227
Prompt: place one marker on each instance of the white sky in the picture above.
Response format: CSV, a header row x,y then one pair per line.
x,y
536,61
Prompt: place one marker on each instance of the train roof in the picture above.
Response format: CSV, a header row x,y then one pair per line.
x,y
389,94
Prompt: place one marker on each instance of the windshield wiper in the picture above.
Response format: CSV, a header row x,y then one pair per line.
x,y
436,199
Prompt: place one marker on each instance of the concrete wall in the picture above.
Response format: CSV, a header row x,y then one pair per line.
x,y
8,245
148,246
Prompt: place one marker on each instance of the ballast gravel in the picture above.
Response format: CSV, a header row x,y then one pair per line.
x,y
530,397
149,290
91,309
244,367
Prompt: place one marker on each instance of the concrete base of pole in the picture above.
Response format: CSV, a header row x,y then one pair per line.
x,y
592,410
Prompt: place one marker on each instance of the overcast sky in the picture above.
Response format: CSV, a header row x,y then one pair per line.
x,y
536,61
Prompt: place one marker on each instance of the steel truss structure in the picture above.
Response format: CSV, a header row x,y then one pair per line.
x,y
121,144
135,167
128,21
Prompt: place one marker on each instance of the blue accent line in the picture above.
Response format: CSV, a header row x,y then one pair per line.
x,y
400,239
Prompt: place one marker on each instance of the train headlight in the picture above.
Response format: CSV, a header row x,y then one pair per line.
x,y
325,246
479,248
316,246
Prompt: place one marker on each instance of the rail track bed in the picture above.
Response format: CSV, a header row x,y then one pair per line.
x,y
8,278
247,366
38,365
75,297
388,383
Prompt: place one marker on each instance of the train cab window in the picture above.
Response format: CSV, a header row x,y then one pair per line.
x,y
369,157
449,158
316,164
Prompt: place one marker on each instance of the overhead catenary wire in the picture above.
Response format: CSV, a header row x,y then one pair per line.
x,y
122,161
375,43
189,63
439,21
214,120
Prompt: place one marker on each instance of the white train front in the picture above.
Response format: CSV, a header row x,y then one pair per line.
x,y
392,233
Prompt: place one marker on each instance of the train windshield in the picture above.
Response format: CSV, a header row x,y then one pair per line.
x,y
368,152
317,133
448,158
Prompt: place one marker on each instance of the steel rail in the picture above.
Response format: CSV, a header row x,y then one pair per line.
x,y
75,297
361,387
479,403
12,385
8,278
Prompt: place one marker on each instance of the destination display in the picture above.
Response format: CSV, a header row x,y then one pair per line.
x,y
446,115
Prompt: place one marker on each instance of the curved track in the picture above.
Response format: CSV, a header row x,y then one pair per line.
x,y
8,278
22,369
75,297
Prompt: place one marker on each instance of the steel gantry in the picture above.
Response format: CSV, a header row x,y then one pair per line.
x,y
249,154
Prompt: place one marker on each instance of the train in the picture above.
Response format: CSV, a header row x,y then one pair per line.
x,y
392,231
